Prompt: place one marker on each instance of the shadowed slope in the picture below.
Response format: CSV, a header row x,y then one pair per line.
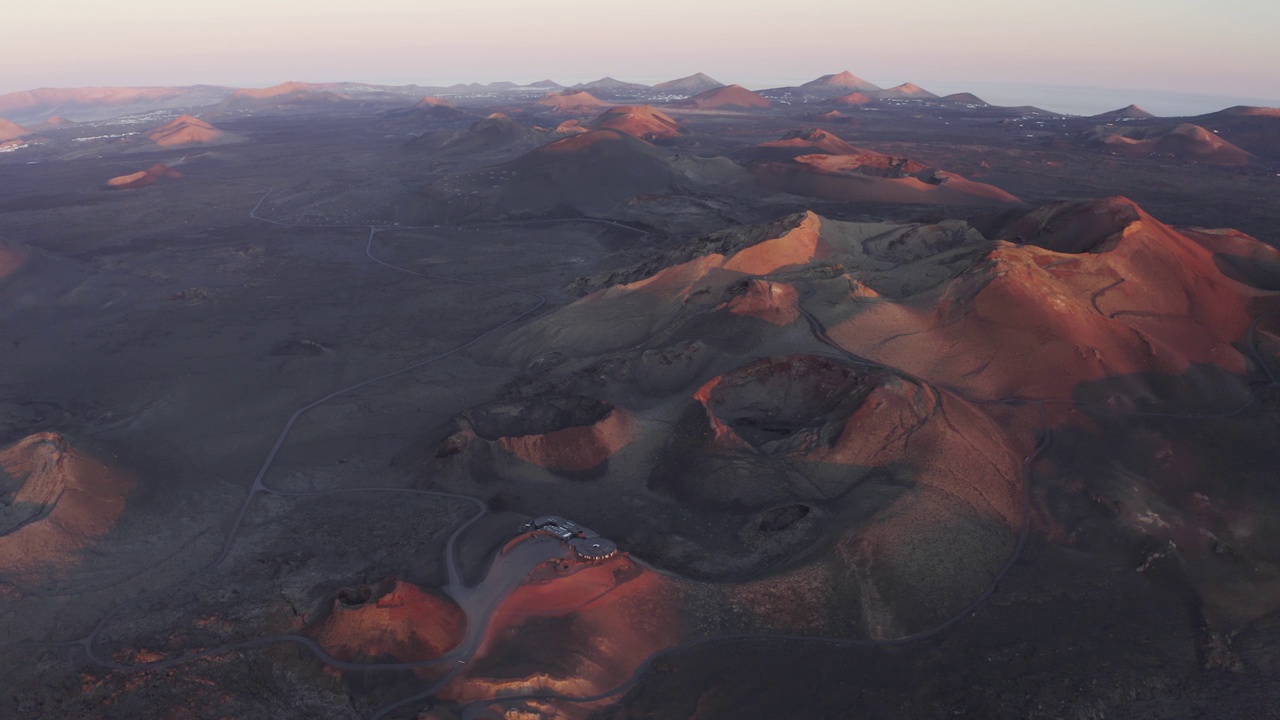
x,y
588,173
691,85
494,136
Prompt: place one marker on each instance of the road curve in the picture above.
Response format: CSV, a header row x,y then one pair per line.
x,y
458,656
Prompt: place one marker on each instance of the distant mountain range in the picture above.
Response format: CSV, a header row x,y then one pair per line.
x,y
35,108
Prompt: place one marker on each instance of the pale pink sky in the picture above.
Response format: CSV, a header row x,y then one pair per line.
x,y
1220,47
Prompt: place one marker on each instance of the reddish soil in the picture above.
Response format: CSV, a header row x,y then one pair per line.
x,y
877,178
642,121
844,81
405,622
60,502
576,102
574,449
816,140
284,88
799,246
143,178
855,98
12,258
588,624
569,128
906,90
186,130
1088,291
10,130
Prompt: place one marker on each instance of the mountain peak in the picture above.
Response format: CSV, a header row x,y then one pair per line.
x,y
839,83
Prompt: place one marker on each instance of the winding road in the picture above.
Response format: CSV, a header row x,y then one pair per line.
x,y
478,602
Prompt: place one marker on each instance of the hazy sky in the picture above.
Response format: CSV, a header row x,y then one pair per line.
x,y
1206,47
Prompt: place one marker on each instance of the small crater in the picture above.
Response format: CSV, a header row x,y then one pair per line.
x,y
536,416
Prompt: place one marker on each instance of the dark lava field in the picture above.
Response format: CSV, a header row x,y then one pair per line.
x,y
816,402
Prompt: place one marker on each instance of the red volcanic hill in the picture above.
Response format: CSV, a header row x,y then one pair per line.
x,y
1122,293
838,84
879,178
1050,298
1255,129
855,98
728,342
807,142
572,126
759,424
905,91
55,502
642,121
816,163
399,620
577,102
590,625
732,96
431,102
1185,142
691,85
143,178
186,130
653,299
1094,302
1128,112
10,130
58,121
